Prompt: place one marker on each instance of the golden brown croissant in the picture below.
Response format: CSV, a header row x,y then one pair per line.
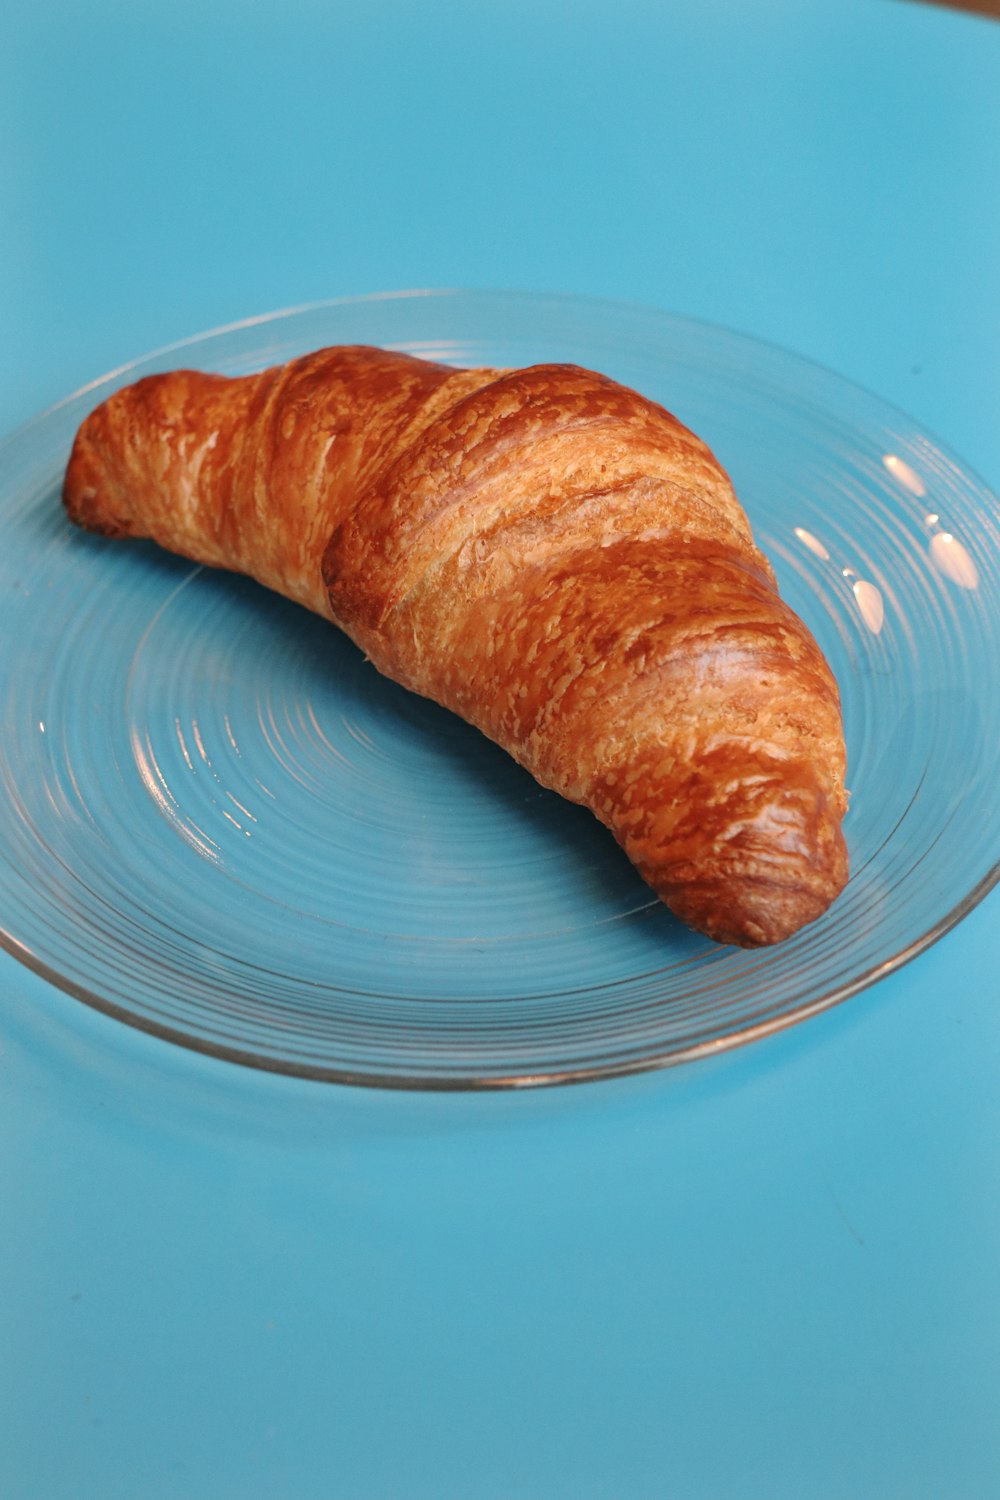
x,y
545,552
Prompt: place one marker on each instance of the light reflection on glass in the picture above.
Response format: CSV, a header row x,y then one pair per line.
x,y
869,600
181,741
953,559
908,478
229,733
948,555
870,604
198,741
812,542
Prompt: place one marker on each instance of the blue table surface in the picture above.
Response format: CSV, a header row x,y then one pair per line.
x,y
774,1273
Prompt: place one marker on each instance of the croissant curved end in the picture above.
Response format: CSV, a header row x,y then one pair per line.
x,y
87,495
754,911
760,883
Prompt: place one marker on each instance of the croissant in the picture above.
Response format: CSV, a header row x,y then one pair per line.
x,y
543,551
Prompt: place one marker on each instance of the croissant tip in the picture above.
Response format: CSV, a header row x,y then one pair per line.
x,y
760,910
83,495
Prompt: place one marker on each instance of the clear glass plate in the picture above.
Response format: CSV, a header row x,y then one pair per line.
x,y
218,823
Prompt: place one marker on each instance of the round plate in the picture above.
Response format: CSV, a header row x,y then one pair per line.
x,y
219,823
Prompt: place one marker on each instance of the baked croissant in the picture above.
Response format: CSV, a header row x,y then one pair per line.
x,y
543,551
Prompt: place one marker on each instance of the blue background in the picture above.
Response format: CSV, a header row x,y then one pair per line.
x,y
771,1274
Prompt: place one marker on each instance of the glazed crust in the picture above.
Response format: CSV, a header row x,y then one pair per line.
x,y
543,551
